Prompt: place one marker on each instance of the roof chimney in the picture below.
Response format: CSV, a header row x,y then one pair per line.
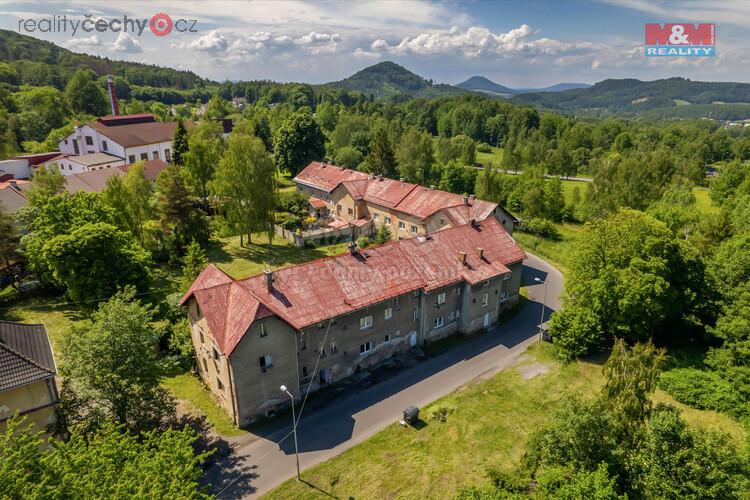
x,y
373,176
401,179
462,257
432,186
269,279
480,252
472,197
466,200
352,247
473,222
112,96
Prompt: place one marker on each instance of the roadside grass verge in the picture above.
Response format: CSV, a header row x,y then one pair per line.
x,y
486,426
557,251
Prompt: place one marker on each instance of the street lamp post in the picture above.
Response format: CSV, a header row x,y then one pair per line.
x,y
294,430
541,320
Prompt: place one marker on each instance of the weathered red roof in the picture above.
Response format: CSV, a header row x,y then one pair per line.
x,y
326,177
317,202
405,197
309,293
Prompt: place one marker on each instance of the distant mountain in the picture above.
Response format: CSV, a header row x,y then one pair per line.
x,y
388,80
668,97
482,84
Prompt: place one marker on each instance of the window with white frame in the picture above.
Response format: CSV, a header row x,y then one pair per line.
x,y
458,290
387,338
365,348
440,298
485,299
486,283
365,322
438,322
506,276
415,314
263,331
388,313
504,296
104,145
376,216
401,225
332,346
387,220
458,313
450,316
414,229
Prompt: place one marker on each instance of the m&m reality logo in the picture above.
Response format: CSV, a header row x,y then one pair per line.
x,y
681,40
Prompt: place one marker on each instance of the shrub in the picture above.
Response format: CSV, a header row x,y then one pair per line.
x,y
364,242
539,227
483,147
702,389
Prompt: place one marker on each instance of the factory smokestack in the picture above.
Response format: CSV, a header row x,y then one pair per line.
x,y
112,96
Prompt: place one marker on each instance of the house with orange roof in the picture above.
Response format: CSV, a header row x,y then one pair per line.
x,y
407,209
313,324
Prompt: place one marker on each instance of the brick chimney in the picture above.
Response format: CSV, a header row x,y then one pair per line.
x,y
462,258
473,222
269,279
480,252
466,200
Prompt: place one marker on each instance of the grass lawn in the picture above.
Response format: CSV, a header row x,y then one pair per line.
x,y
240,262
487,426
495,157
558,252
199,401
703,200
55,313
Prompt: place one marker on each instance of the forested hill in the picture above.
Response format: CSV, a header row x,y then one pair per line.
x,y
652,97
388,80
38,62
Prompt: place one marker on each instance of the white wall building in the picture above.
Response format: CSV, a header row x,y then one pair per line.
x,y
72,164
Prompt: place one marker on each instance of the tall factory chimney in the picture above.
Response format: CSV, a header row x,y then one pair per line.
x,y
112,96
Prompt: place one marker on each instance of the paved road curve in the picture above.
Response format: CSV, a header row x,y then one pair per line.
x,y
259,464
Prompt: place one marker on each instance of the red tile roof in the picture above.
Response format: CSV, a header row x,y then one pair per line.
x,y
317,202
327,177
309,293
405,197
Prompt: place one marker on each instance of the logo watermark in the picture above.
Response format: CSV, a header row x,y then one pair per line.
x,y
681,40
160,24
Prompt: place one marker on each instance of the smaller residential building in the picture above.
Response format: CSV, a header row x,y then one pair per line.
x,y
23,166
72,164
27,374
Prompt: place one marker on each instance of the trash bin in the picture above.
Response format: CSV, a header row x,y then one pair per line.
x,y
411,415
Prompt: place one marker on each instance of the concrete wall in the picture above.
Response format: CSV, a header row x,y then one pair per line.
x,y
19,169
449,321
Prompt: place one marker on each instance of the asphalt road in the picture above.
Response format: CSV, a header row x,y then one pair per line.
x,y
260,463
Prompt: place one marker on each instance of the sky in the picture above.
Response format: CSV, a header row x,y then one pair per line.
x,y
521,44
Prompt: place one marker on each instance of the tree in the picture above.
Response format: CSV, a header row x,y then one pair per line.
x,y
112,365
9,240
195,262
179,216
246,184
414,156
45,183
84,95
348,157
109,463
216,108
383,235
381,160
94,260
298,141
130,197
179,144
200,164
554,199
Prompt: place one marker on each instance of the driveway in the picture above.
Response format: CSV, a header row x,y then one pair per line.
x,y
260,463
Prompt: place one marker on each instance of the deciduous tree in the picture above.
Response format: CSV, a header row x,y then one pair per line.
x,y
298,141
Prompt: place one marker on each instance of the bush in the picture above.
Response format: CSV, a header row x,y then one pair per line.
x,y
483,147
289,222
363,242
702,389
539,227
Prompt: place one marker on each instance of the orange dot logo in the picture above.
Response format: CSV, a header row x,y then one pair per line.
x,y
161,24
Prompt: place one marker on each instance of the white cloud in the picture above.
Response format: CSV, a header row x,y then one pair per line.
x,y
213,41
80,44
126,43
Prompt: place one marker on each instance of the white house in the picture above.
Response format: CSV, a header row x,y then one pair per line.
x,y
72,164
131,138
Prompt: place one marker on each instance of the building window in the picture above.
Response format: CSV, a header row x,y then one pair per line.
x,y
388,313
387,220
131,159
200,333
503,296
205,365
155,154
304,371
302,343
440,298
215,353
167,155
401,225
89,140
387,337
350,211
365,323
265,361
376,216
104,146
415,314
438,322
458,313
365,348
144,156
458,290
485,299
450,316
486,283
506,276
219,384
414,229
442,222
338,208
332,346
263,331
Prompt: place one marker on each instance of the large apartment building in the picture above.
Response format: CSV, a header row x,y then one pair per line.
x,y
408,210
345,313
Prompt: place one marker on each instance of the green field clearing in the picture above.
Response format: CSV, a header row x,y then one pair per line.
x,y
487,426
558,252
493,158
